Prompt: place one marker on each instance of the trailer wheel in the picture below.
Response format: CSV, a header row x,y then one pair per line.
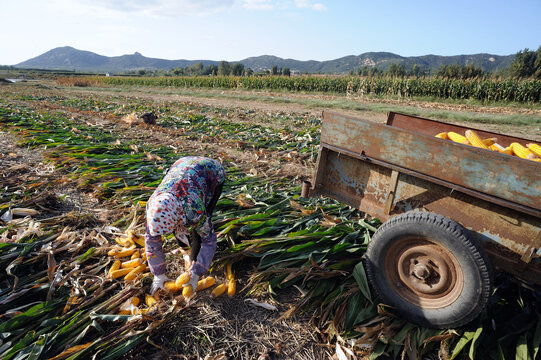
x,y
426,267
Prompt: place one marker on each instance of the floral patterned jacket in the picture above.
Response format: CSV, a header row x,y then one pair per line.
x,y
180,203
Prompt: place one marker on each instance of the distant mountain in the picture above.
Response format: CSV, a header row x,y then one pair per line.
x,y
69,58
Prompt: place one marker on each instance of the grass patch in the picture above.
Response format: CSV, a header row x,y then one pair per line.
x,y
344,103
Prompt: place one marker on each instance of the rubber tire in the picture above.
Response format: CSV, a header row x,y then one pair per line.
x,y
476,268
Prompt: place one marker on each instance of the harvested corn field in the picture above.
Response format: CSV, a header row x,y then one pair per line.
x,y
77,170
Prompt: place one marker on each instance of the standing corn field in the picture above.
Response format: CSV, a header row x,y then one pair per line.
x,y
487,90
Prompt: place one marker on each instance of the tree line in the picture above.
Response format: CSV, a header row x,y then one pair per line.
x,y
526,64
224,68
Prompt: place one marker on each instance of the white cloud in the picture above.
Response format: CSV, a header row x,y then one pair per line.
x,y
319,7
310,4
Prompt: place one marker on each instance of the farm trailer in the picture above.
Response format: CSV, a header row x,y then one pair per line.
x,y
451,212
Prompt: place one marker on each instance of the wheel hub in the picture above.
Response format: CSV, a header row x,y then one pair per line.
x,y
423,272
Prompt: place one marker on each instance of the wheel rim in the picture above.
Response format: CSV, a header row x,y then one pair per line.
x,y
423,272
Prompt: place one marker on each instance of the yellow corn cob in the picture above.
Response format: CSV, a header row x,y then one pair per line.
x,y
136,255
131,234
150,300
124,312
144,255
134,272
228,270
205,283
135,301
171,287
219,290
125,252
120,272
114,251
122,253
490,141
508,150
535,148
442,136
114,267
131,263
231,287
122,241
183,279
474,139
522,152
136,239
187,291
496,147
140,240
457,138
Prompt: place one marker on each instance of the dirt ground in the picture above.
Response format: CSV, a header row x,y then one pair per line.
x,y
269,102
225,328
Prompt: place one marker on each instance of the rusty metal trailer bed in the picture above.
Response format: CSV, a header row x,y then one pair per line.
x,y
451,211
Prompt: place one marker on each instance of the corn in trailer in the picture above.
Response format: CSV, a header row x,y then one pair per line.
x,y
452,213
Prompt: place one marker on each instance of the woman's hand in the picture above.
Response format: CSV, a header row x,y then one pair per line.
x,y
193,281
157,283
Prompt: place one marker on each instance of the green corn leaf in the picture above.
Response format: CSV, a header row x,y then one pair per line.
x,y
500,355
93,325
367,226
462,342
21,344
4,347
378,350
400,336
368,312
87,352
521,352
38,347
355,305
360,277
29,316
537,338
473,345
108,317
306,246
346,265
87,255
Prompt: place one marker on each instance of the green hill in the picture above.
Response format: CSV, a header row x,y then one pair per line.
x,y
69,58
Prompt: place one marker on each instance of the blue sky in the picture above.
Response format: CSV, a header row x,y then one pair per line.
x,y
236,29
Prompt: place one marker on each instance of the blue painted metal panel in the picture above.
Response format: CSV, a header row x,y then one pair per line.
x,y
510,178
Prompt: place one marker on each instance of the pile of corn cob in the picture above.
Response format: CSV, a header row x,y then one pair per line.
x,y
187,291
131,264
530,151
